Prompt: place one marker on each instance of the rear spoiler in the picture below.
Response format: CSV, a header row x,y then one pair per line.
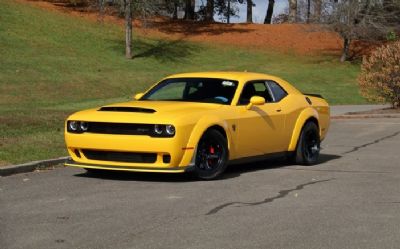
x,y
314,95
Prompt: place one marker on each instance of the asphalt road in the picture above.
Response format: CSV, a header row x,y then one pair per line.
x,y
350,200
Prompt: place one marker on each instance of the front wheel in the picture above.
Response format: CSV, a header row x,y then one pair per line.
x,y
308,146
211,155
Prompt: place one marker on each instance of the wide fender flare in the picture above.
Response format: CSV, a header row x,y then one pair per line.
x,y
301,120
198,130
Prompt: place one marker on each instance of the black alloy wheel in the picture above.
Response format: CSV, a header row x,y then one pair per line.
x,y
211,155
308,146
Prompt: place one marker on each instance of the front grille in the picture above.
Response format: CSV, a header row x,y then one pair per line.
x,y
120,128
127,157
125,109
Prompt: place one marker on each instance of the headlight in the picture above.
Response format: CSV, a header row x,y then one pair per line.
x,y
161,130
77,126
170,129
158,129
73,126
84,126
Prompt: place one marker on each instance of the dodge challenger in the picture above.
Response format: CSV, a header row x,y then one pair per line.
x,y
200,123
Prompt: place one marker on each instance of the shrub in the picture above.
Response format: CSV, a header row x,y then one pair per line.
x,y
391,36
379,79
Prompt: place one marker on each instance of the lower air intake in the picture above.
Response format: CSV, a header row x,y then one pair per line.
x,y
126,157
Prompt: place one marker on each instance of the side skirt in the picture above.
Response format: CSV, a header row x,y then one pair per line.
x,y
259,158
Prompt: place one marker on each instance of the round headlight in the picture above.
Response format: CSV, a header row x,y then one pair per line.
x,y
170,129
158,129
84,126
73,125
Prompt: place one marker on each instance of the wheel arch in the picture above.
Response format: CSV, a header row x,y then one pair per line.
x,y
201,127
307,115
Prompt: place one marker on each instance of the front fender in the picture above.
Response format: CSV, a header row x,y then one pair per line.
x,y
198,130
301,120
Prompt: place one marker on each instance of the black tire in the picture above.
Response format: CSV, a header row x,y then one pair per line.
x,y
211,155
308,146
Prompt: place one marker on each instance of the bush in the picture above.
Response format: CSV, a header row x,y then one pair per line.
x,y
391,36
380,75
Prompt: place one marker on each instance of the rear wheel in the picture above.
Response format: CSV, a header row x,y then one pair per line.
x,y
211,155
308,146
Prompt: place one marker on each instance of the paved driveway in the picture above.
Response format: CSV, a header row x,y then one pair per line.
x,y
350,200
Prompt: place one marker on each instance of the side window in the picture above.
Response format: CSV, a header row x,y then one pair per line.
x,y
277,91
254,88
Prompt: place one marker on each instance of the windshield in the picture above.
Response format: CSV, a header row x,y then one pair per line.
x,y
203,90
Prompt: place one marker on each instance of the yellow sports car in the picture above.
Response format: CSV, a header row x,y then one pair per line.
x,y
200,123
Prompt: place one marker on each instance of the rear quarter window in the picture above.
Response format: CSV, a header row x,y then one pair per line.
x,y
277,91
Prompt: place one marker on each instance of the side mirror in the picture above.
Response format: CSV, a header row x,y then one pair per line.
x,y
138,96
255,100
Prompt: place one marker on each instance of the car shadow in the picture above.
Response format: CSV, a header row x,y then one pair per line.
x,y
280,162
231,172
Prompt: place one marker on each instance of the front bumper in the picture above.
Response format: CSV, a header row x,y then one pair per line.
x,y
131,152
71,163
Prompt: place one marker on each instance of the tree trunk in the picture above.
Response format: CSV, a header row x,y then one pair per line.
x,y
345,51
210,11
292,11
228,20
189,9
175,13
308,10
128,29
270,11
121,12
317,11
249,11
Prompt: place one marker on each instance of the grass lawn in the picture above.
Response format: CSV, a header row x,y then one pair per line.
x,y
52,64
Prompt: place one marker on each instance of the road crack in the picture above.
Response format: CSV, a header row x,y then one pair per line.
x,y
356,148
281,194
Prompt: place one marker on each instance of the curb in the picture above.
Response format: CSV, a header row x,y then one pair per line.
x,y
31,166
365,116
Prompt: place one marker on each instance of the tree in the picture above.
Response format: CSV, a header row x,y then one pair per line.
x,y
270,11
317,10
308,10
249,11
128,29
141,9
189,9
209,16
355,20
379,79
292,11
172,7
227,8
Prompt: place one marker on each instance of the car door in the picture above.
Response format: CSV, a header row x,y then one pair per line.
x,y
259,129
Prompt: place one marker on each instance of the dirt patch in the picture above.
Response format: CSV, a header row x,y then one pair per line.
x,y
298,38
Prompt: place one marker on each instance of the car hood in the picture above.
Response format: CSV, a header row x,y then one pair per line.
x,y
146,112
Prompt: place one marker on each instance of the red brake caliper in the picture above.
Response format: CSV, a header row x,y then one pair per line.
x,y
212,151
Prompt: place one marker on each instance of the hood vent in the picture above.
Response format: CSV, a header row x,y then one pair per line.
x,y
125,109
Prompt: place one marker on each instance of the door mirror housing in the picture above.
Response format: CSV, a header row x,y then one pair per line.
x,y
255,100
138,96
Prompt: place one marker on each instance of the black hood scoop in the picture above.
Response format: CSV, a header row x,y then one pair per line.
x,y
125,109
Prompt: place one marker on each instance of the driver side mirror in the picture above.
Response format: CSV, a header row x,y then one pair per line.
x,y
255,100
138,96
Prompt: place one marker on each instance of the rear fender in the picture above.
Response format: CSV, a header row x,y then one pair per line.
x,y
301,120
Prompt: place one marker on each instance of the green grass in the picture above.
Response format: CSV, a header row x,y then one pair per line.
x,y
52,64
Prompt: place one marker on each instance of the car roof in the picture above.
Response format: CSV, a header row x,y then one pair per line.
x,y
242,77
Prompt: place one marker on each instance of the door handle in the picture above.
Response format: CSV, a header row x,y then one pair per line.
x,y
278,110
